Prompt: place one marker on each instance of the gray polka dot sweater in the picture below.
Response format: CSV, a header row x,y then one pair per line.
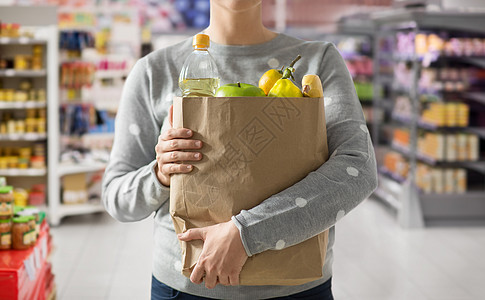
x,y
131,191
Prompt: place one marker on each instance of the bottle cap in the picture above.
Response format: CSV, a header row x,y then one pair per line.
x,y
17,209
25,213
201,41
6,189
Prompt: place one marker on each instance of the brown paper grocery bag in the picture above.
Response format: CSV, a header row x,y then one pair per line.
x,y
254,147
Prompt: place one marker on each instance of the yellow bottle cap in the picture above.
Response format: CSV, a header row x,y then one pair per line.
x,y
201,41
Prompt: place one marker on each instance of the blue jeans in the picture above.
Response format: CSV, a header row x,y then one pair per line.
x,y
162,291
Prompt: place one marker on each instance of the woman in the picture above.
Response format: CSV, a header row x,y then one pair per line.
x,y
137,180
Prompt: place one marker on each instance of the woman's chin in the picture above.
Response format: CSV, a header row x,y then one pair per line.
x,y
237,5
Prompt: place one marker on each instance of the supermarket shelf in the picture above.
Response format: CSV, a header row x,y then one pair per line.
x,y
430,126
427,92
67,137
108,74
386,104
102,8
23,172
438,209
22,105
429,98
21,41
406,152
356,56
398,19
478,166
23,137
477,96
418,208
385,55
391,175
406,120
385,78
67,169
471,195
72,60
473,60
457,209
480,131
355,26
76,102
23,73
477,61
99,135
80,209
387,192
77,28
400,89
388,198
405,58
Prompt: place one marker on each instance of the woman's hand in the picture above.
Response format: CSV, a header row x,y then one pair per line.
x,y
170,151
222,256
171,155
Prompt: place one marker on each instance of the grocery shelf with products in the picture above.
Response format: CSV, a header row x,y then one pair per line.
x,y
430,144
354,40
99,41
357,53
98,46
28,101
28,97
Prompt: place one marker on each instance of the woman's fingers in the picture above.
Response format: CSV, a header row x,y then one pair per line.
x,y
171,155
224,280
178,156
210,280
178,144
170,169
234,279
197,275
176,133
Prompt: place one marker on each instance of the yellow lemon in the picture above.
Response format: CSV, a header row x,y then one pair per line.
x,y
268,79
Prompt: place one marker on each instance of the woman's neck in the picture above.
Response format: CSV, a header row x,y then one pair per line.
x,y
238,27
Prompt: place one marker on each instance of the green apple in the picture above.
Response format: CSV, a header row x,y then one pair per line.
x,y
239,90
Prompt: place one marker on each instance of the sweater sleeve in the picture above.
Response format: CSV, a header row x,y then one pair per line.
x,y
131,190
324,196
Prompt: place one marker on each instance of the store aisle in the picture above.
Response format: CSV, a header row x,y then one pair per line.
x,y
97,257
376,260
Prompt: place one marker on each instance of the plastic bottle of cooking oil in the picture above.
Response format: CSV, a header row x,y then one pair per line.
x,y
199,76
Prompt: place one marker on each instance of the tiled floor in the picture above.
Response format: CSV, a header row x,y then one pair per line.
x,y
97,257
